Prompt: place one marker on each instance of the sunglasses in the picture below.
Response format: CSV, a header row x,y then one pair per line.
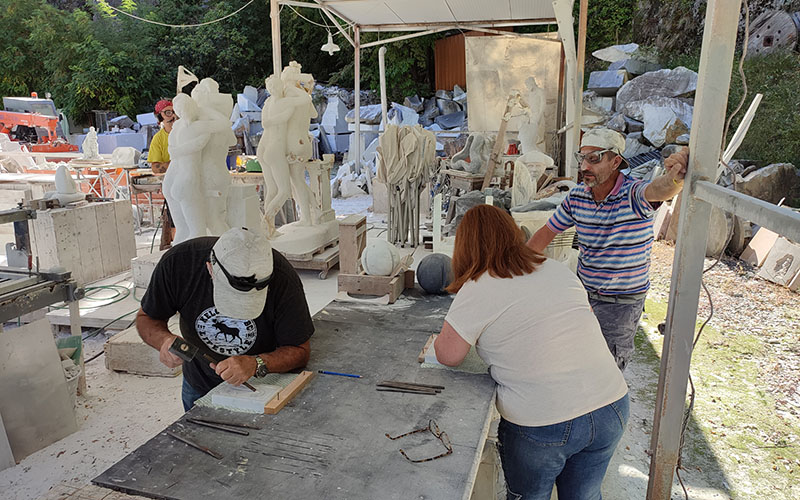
x,y
243,284
168,112
593,157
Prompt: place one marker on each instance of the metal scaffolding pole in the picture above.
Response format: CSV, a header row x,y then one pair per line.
x,y
275,20
714,76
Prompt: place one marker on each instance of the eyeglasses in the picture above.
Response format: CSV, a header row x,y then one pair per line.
x,y
593,157
434,429
168,112
243,284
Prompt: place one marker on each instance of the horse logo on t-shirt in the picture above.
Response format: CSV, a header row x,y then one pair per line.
x,y
225,335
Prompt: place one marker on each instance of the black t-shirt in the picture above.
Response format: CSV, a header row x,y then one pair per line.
x,y
181,283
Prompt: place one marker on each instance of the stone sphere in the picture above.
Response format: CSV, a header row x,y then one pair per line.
x,y
435,272
380,258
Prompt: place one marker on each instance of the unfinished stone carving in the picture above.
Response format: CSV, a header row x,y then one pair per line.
x,y
90,149
66,188
528,168
380,258
531,134
477,150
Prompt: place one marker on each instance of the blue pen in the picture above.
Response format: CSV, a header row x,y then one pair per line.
x,y
340,374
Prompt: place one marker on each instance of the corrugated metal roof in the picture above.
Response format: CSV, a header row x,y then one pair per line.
x,y
414,14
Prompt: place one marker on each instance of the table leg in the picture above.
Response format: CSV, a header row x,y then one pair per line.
x,y
75,329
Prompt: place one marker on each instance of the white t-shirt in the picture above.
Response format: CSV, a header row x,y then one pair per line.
x,y
542,343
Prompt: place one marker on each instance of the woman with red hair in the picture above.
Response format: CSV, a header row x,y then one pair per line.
x,y
563,401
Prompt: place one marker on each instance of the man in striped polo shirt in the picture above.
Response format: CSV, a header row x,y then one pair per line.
x,y
613,218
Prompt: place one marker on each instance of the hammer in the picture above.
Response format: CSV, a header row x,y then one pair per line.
x,y
188,352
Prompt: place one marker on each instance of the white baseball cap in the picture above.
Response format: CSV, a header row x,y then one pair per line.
x,y
241,261
604,138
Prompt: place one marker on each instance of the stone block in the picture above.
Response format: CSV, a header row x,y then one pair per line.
x,y
127,352
142,268
771,183
452,120
635,66
634,145
662,125
635,109
616,53
665,82
607,83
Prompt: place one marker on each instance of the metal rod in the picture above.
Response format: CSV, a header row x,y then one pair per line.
x,y
220,427
382,77
403,37
781,220
229,424
195,445
716,63
357,88
328,13
479,23
275,20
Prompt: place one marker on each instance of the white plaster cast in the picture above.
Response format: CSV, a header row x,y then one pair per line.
x,y
531,134
380,258
89,146
299,145
185,184
215,109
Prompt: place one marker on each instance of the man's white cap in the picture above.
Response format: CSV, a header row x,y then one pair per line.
x,y
604,138
242,253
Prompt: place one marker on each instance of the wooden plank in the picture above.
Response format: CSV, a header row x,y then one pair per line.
x,y
88,240
287,394
352,241
428,344
109,243
123,213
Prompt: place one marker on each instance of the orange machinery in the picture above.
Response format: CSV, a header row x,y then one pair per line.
x,y
40,131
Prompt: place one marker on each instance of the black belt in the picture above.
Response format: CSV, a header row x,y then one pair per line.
x,y
630,298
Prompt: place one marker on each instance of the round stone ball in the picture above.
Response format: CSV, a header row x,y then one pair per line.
x,y
435,272
380,258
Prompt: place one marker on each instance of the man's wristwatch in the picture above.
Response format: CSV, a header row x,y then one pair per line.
x,y
261,368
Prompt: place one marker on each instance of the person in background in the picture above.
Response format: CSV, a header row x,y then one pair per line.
x,y
158,156
613,219
563,402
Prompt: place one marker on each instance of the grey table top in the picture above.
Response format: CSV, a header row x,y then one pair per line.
x,y
329,442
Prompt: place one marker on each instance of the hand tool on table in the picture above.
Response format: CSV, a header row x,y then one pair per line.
x,y
222,426
195,445
409,387
188,352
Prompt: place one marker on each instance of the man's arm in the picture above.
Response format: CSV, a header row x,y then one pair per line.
x,y
159,167
541,239
155,333
666,186
238,369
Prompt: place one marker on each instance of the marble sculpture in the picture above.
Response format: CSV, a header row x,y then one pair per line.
x,y
197,182
285,154
477,149
90,148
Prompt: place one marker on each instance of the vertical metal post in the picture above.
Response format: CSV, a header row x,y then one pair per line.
x,y
382,74
582,22
275,19
356,156
75,329
716,63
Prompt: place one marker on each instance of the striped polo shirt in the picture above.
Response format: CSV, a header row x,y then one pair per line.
x,y
615,236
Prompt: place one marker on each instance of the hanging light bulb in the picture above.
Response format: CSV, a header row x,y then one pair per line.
x,y
330,47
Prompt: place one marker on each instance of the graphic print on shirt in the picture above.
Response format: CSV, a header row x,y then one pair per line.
x,y
225,335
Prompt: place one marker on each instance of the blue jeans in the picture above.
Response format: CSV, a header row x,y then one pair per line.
x,y
618,321
189,395
573,455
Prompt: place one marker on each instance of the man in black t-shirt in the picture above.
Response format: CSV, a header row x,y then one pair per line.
x,y
239,301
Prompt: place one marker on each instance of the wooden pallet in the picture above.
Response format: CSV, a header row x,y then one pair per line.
x,y
364,284
322,260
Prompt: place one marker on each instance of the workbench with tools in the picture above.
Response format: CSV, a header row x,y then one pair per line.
x,y
371,420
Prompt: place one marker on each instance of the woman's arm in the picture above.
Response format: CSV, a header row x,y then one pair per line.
x,y
451,349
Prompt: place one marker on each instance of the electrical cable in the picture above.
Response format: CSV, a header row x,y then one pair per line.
x,y
121,293
96,331
692,392
176,25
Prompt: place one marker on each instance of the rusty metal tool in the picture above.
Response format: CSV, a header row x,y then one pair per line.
x,y
221,427
195,445
229,424
188,352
